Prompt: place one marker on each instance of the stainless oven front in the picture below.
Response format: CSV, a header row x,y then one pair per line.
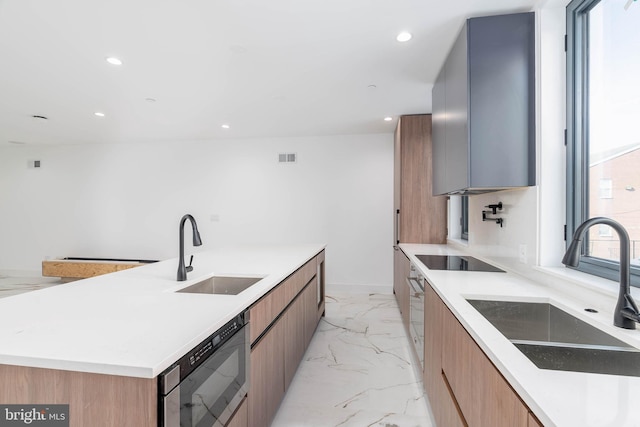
x,y
205,386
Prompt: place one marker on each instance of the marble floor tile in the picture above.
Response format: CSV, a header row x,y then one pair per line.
x,y
17,285
357,370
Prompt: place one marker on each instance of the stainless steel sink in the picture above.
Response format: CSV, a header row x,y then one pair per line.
x,y
554,339
222,285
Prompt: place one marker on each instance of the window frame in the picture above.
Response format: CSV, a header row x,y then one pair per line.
x,y
577,45
464,217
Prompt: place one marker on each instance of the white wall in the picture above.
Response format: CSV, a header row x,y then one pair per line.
x,y
126,200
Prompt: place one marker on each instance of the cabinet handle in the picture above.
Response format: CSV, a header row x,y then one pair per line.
x,y
397,226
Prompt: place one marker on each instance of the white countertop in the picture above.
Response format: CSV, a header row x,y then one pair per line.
x,y
133,323
557,398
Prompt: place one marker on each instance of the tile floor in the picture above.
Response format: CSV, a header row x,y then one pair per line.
x,y
357,370
14,285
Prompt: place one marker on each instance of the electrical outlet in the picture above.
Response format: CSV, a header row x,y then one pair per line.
x,y
523,253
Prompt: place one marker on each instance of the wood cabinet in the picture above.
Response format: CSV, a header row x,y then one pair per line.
x,y
241,417
484,107
94,399
401,268
295,332
483,395
281,338
320,277
443,404
266,387
419,216
463,386
267,309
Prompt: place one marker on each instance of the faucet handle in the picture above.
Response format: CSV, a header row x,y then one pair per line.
x,y
190,267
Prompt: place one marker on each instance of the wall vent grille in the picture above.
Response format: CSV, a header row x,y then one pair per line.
x,y
287,158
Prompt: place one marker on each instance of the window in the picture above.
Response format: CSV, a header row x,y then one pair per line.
x,y
604,231
464,217
606,188
603,144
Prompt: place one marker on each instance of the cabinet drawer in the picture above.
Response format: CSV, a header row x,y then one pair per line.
x,y
265,311
483,395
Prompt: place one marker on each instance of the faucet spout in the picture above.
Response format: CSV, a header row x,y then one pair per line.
x,y
182,269
626,312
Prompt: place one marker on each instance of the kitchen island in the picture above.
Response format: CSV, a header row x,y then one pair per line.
x,y
536,396
104,340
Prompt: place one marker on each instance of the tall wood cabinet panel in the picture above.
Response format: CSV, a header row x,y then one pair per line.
x,y
420,217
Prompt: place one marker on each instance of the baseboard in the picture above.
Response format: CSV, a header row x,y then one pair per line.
x,y
359,289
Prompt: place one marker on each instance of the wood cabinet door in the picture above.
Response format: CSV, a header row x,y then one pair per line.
x,y
266,388
263,312
320,278
422,216
309,296
405,269
241,416
294,338
398,280
443,404
483,395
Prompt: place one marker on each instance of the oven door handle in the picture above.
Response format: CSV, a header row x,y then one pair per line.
x,y
415,286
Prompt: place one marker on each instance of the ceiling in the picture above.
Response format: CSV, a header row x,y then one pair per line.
x,y
272,68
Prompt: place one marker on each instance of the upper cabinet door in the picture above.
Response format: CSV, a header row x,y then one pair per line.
x,y
488,107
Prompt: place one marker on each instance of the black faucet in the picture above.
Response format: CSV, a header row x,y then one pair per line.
x,y
182,270
626,313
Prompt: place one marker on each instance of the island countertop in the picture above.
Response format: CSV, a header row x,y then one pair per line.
x,y
557,398
133,322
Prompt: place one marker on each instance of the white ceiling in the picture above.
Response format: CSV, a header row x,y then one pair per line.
x,y
265,68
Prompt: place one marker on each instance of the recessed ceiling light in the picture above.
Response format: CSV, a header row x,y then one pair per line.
x,y
225,126
39,118
113,60
99,114
404,37
388,119
372,86
17,142
152,100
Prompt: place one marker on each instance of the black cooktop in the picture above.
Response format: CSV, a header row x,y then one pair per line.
x,y
455,262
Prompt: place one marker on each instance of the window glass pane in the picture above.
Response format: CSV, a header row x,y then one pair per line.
x,y
613,124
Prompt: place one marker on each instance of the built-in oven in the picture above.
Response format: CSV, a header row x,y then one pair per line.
x,y
415,282
206,385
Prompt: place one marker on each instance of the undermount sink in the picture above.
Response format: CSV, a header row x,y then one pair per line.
x,y
554,339
221,285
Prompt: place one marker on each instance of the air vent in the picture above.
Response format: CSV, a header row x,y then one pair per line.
x,y
287,157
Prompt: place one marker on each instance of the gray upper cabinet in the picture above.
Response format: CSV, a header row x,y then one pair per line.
x,y
484,108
